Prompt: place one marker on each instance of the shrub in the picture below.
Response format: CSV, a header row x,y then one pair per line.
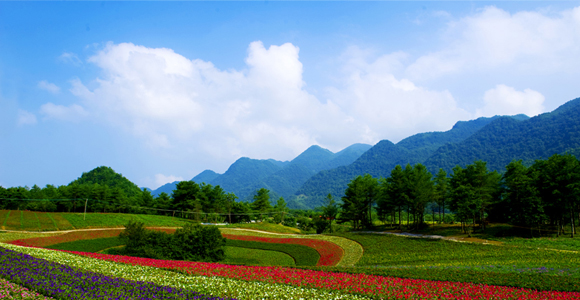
x,y
192,242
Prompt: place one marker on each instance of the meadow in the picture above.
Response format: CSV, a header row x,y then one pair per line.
x,y
280,263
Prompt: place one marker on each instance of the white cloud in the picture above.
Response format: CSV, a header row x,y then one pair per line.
x,y
26,118
392,107
70,58
171,101
47,86
505,100
72,113
494,38
161,179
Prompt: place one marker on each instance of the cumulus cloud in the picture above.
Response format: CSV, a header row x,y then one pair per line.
x,y
505,100
172,101
50,87
389,106
72,113
262,111
26,118
493,38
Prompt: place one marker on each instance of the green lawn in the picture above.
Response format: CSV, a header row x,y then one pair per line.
x,y
467,262
247,256
302,255
94,245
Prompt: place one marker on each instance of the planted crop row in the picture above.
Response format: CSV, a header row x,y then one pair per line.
x,y
46,222
29,221
378,287
60,222
302,255
214,285
3,216
9,290
102,220
92,245
44,241
247,256
329,253
352,251
536,281
14,220
62,281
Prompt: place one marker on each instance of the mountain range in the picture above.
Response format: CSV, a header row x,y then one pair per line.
x,y
315,173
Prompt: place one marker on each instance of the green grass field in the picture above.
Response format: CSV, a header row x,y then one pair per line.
x,y
41,221
93,246
467,262
302,255
257,257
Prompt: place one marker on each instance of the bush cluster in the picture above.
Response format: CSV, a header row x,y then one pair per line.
x,y
192,242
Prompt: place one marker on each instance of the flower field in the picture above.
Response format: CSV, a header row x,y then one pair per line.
x,y
217,286
372,286
62,281
11,291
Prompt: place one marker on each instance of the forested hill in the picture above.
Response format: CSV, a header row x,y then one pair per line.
x,y
384,156
247,175
105,176
506,139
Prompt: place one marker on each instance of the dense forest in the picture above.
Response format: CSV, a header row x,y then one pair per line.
x,y
543,195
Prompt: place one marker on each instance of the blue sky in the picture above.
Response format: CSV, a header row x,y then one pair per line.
x,y
161,91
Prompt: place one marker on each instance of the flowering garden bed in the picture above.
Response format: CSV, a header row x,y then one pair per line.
x,y
380,287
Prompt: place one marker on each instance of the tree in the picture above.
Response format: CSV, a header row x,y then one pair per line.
x,y
393,192
186,198
522,196
280,208
559,186
358,201
420,188
441,191
230,199
262,202
329,210
473,190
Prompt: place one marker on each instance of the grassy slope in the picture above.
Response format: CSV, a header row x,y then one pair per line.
x,y
41,221
467,262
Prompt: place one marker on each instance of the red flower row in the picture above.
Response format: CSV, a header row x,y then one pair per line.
x,y
379,286
330,253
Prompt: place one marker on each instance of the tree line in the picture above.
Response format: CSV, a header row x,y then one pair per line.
x,y
541,195
197,201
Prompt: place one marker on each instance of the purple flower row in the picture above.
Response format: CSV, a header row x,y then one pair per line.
x,y
64,282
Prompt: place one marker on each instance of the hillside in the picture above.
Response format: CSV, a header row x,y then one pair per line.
x,y
247,175
204,177
506,139
108,177
383,157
